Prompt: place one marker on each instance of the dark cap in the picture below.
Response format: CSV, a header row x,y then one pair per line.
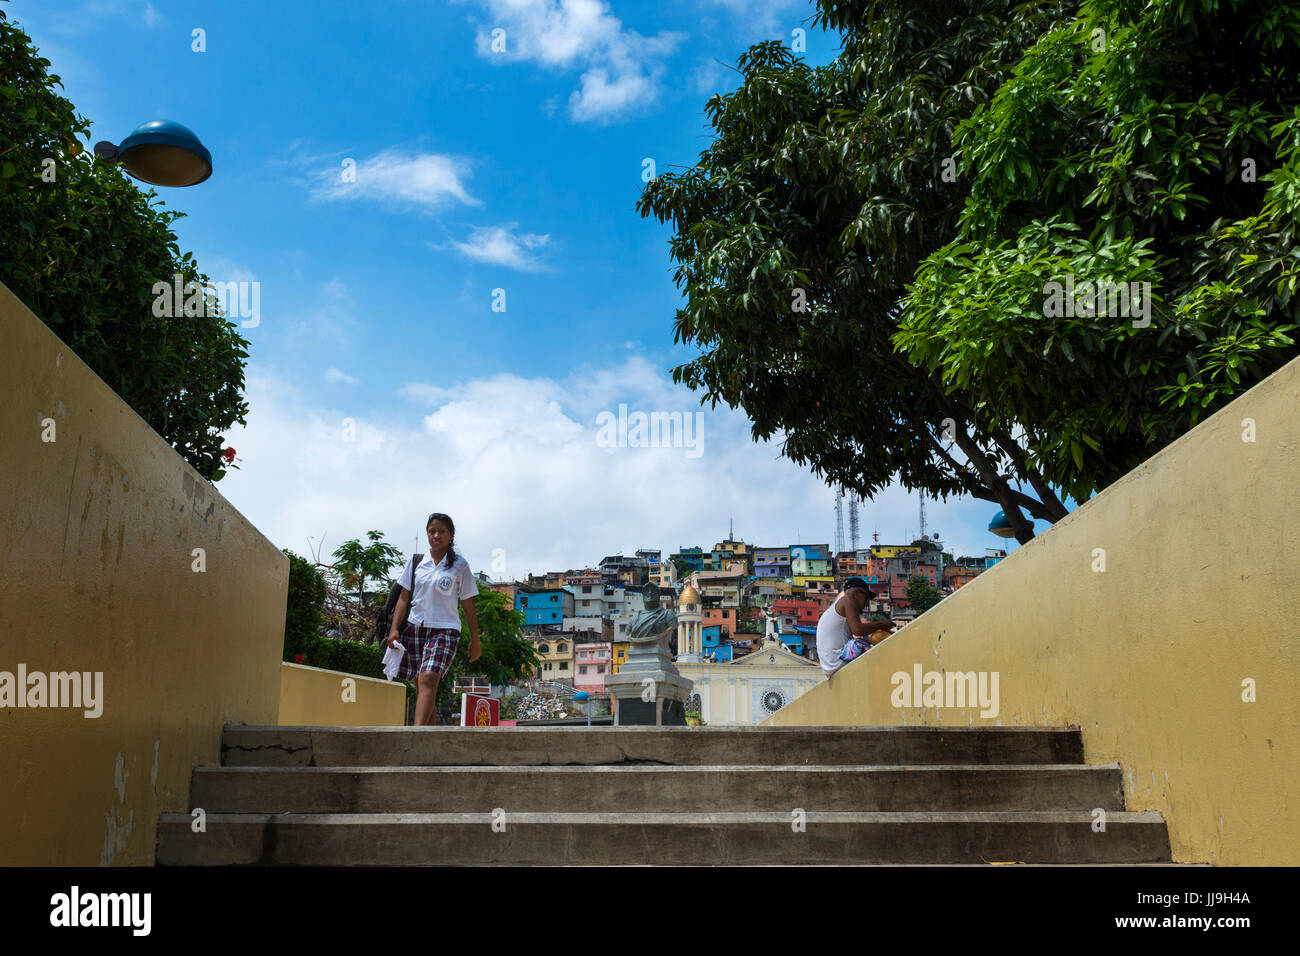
x,y
860,585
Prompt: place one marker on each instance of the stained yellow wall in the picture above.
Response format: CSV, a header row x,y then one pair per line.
x,y
313,697
1201,592
97,529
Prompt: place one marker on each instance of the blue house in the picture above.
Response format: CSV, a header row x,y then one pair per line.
x,y
712,646
544,606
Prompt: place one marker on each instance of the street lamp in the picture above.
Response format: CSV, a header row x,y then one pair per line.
x,y
1001,527
161,153
580,696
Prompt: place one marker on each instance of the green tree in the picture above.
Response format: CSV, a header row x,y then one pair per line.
x,y
1135,143
864,246
683,568
921,595
83,252
507,655
355,562
799,228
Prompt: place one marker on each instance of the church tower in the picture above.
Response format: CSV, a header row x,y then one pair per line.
x,y
690,637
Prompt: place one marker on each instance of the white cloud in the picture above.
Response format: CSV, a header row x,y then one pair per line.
x,y
499,245
430,180
335,377
151,16
770,17
600,96
516,463
622,70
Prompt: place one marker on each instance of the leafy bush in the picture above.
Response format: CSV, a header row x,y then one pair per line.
x,y
350,657
305,609
83,252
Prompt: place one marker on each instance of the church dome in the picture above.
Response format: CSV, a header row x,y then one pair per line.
x,y
689,595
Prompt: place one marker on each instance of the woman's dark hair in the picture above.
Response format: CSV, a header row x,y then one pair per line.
x,y
451,545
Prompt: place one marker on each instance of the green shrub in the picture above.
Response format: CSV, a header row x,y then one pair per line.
x,y
82,246
350,657
304,611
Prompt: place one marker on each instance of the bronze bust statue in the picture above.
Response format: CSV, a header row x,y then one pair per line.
x,y
653,623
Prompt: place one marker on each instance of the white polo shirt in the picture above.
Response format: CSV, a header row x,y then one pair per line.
x,y
438,591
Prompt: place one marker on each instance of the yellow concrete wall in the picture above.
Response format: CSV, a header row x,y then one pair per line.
x,y
313,697
97,531
1201,591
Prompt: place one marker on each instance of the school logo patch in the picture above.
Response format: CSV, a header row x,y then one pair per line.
x,y
444,583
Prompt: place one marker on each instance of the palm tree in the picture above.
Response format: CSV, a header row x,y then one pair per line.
x,y
354,562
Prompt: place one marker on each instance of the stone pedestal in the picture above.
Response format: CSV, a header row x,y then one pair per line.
x,y
648,690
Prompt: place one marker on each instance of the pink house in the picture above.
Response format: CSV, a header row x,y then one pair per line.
x,y
591,664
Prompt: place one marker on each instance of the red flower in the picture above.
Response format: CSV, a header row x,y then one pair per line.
x,y
300,658
229,455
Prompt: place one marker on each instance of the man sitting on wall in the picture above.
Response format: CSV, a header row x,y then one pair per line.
x,y
842,621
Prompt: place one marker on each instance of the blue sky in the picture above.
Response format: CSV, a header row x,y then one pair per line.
x,y
476,170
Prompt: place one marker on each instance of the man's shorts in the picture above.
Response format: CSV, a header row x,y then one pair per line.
x,y
427,649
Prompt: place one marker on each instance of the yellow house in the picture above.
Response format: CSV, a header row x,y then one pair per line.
x,y
893,550
814,580
620,655
556,652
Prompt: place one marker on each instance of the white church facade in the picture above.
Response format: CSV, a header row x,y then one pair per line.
x,y
746,691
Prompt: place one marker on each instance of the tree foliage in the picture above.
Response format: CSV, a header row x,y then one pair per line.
x,y
355,562
1146,143
863,247
800,226
921,594
84,251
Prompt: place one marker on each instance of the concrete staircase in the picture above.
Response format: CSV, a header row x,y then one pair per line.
x,y
646,795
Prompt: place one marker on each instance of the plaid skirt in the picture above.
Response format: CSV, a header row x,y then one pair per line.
x,y
427,649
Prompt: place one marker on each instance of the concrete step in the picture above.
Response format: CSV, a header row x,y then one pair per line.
x,y
674,746
656,788
728,838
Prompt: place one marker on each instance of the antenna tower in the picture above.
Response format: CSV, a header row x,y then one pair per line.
x,y
839,521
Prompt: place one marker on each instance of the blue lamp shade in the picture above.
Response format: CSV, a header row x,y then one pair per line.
x,y
580,695
165,153
1000,526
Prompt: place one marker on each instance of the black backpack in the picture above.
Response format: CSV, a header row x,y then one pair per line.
x,y
385,620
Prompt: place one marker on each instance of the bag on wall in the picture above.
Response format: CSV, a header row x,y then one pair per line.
x,y
385,620
854,648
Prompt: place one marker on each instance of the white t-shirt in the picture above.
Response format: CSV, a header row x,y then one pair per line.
x,y
438,591
832,634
